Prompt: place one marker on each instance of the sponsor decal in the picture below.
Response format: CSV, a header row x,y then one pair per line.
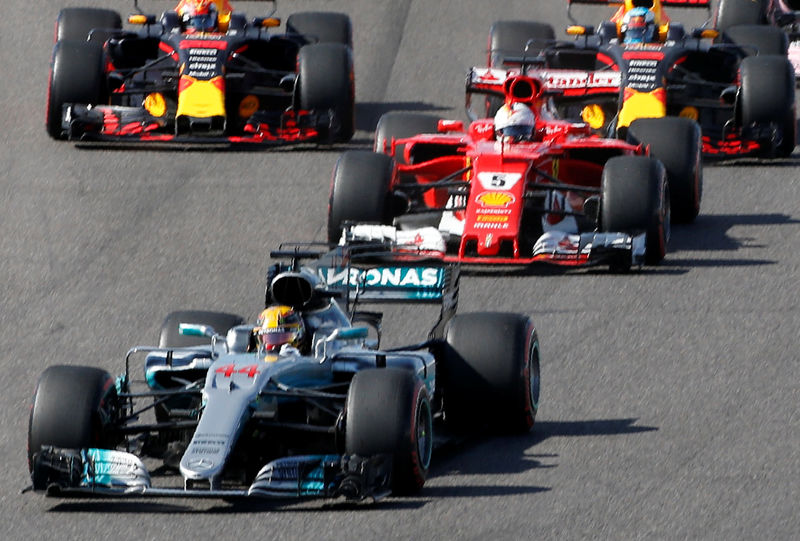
x,y
490,225
400,277
580,79
199,464
491,180
491,218
642,73
495,199
483,129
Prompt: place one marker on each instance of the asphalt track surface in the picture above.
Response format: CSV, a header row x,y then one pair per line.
x,y
669,398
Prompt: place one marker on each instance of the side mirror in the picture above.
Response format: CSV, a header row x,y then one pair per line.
x,y
705,33
267,22
191,329
449,126
142,19
350,333
579,30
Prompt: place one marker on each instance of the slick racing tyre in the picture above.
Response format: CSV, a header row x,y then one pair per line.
x,y
388,411
170,336
767,96
359,191
321,27
677,143
634,199
76,76
401,125
72,407
759,39
77,23
735,12
490,372
325,83
509,38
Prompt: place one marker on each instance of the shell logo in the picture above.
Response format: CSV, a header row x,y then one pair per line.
x,y
495,199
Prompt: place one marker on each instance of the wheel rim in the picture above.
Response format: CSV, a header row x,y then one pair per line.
x,y
424,434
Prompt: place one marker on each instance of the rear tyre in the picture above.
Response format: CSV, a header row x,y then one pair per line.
x,y
634,200
509,38
359,191
759,39
325,82
72,408
400,125
767,96
76,76
321,27
490,372
388,411
735,12
677,143
76,23
170,337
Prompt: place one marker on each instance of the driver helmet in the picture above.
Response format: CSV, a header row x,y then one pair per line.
x,y
638,26
514,122
278,326
199,15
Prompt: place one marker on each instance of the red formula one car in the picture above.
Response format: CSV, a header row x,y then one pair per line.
x,y
523,187
201,73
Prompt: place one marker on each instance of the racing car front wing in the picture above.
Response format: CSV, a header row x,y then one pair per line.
x,y
107,473
118,124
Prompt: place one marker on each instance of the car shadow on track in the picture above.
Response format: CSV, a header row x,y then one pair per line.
x,y
711,233
510,454
506,455
708,233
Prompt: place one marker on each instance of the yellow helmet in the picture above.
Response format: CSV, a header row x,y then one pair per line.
x,y
279,325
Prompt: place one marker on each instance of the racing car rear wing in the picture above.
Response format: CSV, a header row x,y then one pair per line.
x,y
370,272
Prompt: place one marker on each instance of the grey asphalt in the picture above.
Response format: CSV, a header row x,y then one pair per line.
x,y
669,396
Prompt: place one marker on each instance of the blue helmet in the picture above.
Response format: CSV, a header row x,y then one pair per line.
x,y
638,26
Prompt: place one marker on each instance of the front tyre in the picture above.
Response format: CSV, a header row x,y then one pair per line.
x,y
388,411
359,191
76,76
325,83
634,200
73,408
767,97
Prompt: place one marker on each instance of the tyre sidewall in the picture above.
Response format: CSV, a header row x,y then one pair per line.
x,y
325,82
359,191
72,406
677,144
76,76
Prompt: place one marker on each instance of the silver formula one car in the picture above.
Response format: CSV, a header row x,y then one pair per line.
x,y
335,416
